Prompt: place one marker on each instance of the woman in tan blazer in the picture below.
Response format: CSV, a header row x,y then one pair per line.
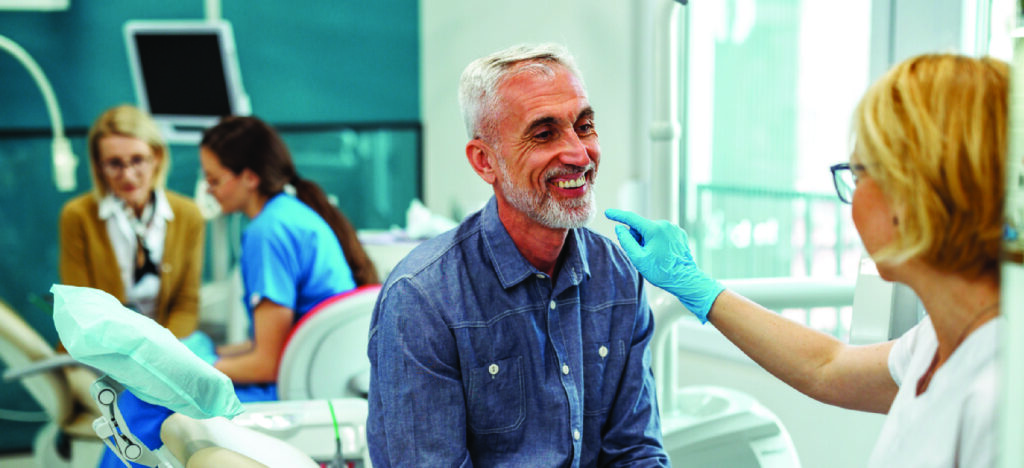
x,y
130,236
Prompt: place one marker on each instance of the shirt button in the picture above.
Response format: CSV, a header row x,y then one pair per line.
x,y
602,351
565,369
552,305
541,275
493,369
576,434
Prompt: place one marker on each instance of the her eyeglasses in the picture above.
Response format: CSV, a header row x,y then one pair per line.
x,y
844,176
114,167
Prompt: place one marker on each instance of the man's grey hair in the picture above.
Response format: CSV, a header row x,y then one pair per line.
x,y
480,80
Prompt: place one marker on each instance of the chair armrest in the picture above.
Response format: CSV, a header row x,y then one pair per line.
x,y
216,457
44,365
215,438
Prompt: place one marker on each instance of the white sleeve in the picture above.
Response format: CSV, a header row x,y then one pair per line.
x,y
903,349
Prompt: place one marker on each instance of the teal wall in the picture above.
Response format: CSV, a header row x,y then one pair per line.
x,y
307,61
340,78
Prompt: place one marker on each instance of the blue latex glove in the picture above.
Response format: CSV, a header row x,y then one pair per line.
x,y
660,252
202,345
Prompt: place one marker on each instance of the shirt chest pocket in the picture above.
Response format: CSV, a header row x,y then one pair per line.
x,y
602,369
497,396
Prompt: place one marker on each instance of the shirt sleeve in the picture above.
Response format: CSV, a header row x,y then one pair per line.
x,y
183,310
73,269
269,267
417,413
633,437
903,350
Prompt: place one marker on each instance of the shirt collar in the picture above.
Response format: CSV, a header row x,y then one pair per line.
x,y
110,204
163,207
510,265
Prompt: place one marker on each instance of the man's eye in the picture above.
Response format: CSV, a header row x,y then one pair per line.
x,y
545,135
585,129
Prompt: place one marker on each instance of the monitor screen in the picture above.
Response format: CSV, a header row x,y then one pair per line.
x,y
185,74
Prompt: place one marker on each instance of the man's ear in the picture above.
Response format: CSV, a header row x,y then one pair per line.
x,y
481,157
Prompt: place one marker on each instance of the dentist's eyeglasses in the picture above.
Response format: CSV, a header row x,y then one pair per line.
x,y
844,177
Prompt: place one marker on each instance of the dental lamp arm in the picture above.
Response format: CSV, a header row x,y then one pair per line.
x,y
64,161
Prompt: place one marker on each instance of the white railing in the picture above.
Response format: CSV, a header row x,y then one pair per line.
x,y
675,325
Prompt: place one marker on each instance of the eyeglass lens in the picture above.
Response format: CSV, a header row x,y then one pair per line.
x,y
845,184
118,165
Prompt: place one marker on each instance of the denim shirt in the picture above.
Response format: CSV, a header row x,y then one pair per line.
x,y
478,358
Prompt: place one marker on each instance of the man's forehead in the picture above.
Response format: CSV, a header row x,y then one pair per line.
x,y
534,95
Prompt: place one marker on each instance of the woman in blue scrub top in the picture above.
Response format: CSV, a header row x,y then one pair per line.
x,y
297,250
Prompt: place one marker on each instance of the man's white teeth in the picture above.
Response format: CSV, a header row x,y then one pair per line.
x,y
571,184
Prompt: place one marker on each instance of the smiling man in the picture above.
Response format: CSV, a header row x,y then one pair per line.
x,y
520,338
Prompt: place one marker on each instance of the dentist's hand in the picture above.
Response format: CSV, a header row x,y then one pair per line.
x,y
661,254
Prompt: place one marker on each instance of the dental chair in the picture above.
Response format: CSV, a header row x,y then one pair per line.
x,y
189,442
299,434
138,355
708,425
59,386
325,354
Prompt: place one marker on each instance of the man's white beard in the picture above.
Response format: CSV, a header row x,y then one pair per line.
x,y
569,213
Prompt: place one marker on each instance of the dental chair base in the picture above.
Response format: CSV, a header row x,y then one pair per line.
x,y
713,426
309,425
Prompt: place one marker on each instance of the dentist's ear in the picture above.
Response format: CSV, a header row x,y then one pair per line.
x,y
481,157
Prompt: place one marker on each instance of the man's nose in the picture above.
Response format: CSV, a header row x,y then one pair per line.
x,y
575,152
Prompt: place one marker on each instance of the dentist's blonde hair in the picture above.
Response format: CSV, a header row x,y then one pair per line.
x,y
478,86
933,134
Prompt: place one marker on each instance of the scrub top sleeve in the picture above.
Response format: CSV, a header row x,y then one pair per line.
x,y
269,269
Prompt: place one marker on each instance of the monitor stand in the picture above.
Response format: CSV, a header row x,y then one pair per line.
x,y
180,134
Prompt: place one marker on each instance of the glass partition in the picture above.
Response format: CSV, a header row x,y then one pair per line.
x,y
767,90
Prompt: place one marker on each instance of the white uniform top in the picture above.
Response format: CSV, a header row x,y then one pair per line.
x,y
953,423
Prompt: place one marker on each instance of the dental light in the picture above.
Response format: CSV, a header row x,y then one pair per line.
x,y
64,161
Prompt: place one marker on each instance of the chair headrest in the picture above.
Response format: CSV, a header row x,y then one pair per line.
x,y
140,354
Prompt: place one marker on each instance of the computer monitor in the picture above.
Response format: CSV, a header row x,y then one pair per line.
x,y
185,74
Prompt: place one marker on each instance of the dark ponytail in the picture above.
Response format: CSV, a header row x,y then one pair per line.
x,y
363,270
241,143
